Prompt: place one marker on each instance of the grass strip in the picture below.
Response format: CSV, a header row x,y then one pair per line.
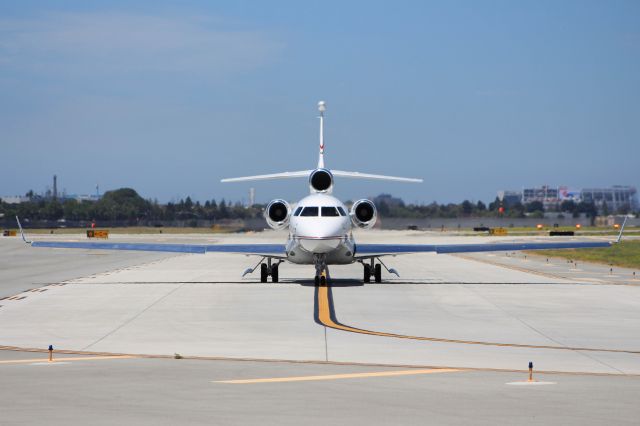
x,y
625,254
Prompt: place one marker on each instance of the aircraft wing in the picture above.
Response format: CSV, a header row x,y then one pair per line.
x,y
374,250
268,250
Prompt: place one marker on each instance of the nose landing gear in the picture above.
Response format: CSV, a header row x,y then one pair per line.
x,y
320,262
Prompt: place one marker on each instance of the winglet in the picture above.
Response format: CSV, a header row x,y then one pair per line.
x,y
622,229
22,232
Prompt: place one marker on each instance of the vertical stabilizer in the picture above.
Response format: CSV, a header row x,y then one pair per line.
x,y
322,108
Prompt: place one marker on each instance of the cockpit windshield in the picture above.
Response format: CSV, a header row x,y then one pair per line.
x,y
309,211
325,211
329,211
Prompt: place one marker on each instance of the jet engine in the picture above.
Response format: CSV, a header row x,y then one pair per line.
x,y
277,214
363,214
321,180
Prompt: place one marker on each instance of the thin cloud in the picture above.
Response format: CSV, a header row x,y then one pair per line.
x,y
125,43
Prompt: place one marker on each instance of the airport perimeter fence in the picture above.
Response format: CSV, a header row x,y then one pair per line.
x,y
259,224
478,222
223,224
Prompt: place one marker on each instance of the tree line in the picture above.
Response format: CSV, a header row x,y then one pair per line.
x,y
126,204
394,207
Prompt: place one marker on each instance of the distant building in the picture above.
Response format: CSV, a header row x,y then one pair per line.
x,y
511,198
616,197
14,199
547,195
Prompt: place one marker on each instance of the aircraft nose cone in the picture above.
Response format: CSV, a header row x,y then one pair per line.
x,y
320,237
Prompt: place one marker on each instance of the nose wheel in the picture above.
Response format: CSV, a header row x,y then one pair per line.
x,y
320,262
320,280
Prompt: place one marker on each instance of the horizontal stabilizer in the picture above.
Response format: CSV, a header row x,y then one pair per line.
x,y
283,175
306,173
358,175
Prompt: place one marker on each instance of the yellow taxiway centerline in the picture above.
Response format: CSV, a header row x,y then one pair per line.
x,y
339,376
324,317
65,359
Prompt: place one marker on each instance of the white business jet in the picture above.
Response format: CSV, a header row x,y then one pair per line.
x,y
320,230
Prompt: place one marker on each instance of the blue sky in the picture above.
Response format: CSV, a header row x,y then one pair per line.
x,y
170,97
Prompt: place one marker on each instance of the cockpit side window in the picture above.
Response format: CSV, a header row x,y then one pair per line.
x,y
342,212
329,211
297,212
309,211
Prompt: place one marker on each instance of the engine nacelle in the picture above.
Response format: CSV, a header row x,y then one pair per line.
x,y
321,180
363,214
277,214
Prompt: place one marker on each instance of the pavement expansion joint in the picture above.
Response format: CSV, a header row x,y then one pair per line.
x,y
531,383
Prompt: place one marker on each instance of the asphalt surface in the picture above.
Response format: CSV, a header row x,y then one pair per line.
x,y
169,392
447,343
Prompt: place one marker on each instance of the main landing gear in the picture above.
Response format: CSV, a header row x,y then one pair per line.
x,y
269,269
373,269
266,270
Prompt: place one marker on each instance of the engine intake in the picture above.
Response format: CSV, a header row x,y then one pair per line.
x,y
364,214
277,214
321,180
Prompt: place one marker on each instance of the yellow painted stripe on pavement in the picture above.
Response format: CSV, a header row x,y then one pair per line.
x,y
324,316
340,376
84,358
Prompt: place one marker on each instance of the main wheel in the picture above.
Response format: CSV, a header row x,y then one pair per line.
x,y
367,273
264,273
323,280
377,273
317,281
274,273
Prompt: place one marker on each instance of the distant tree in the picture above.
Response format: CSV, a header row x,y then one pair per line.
x,y
495,204
535,206
624,209
568,206
467,208
121,204
222,209
516,210
481,207
383,208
